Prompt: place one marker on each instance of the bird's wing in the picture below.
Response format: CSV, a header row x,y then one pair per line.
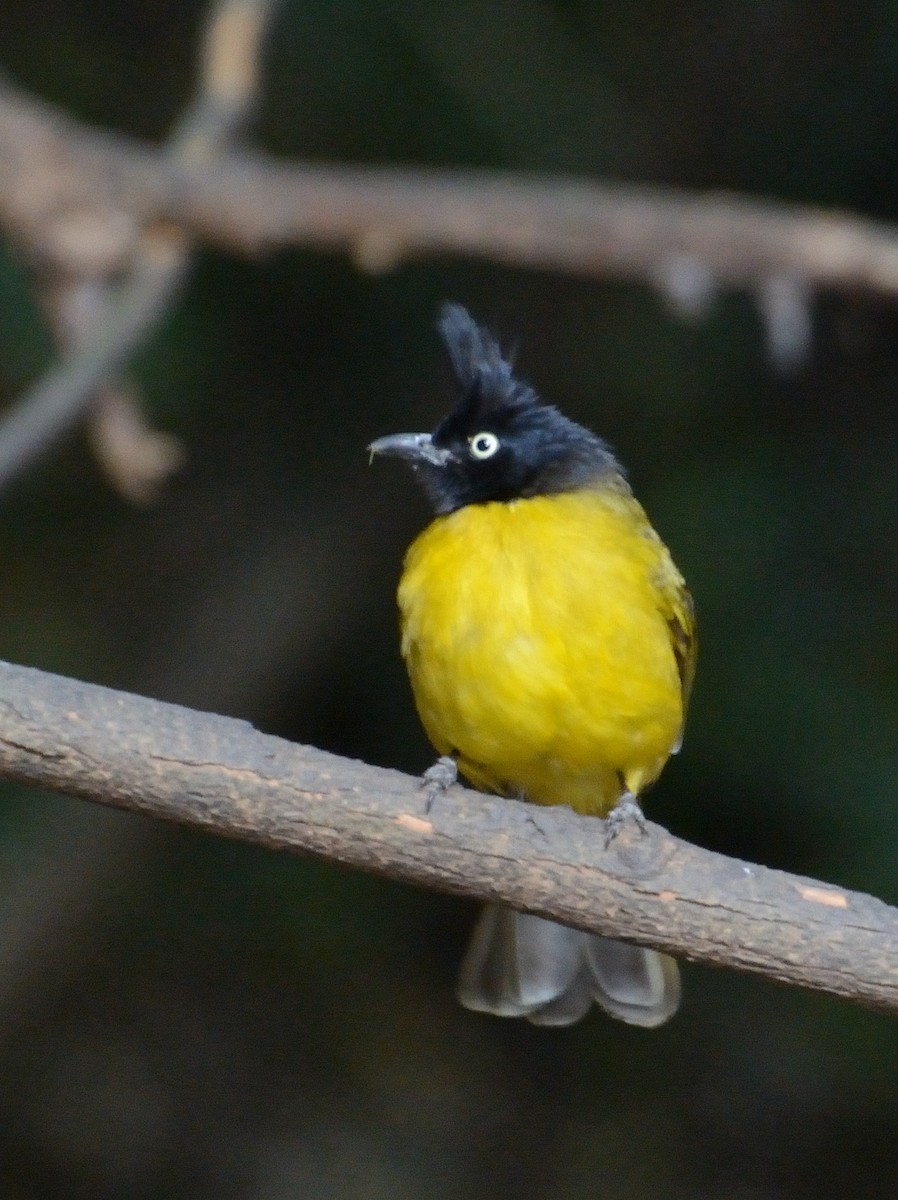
x,y
679,611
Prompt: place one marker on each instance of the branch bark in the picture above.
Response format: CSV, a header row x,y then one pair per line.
x,y
219,774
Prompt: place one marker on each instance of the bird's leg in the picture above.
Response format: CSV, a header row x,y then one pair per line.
x,y
439,778
625,810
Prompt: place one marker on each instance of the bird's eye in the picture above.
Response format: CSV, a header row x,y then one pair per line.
x,y
484,445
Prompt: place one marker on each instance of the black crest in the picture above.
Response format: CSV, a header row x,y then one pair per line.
x,y
485,378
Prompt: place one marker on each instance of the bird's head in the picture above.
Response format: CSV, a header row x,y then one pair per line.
x,y
500,442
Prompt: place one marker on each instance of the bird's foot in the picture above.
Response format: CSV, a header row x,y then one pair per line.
x,y
625,812
438,779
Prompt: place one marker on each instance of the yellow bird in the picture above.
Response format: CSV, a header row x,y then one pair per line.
x,y
550,644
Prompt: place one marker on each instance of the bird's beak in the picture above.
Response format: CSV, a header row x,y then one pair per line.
x,y
413,447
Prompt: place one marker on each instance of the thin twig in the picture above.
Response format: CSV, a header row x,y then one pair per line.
x,y
101,336
228,81
221,775
48,411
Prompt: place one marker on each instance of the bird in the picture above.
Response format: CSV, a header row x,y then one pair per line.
x,y
550,644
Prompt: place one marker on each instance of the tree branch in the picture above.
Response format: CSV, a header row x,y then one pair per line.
x,y
100,323
90,204
50,408
53,170
219,774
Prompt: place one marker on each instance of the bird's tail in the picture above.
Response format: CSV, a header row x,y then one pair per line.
x,y
519,965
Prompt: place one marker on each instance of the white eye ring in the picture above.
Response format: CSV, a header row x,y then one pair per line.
x,y
483,445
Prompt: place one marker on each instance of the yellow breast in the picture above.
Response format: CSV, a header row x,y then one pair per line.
x,y
544,641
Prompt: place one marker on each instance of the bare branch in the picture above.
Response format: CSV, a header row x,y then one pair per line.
x,y
90,204
100,333
53,169
221,775
229,80
49,410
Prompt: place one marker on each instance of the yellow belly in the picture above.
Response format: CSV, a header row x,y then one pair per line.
x,y
537,635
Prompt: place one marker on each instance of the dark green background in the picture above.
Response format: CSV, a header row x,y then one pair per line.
x,y
182,1017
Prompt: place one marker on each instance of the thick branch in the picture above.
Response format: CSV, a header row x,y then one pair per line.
x,y
219,774
54,170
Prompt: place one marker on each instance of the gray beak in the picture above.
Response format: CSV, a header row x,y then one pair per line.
x,y
413,447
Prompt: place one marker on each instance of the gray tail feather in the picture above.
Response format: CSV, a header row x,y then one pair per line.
x,y
519,965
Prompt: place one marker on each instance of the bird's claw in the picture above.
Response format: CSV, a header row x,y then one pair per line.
x,y
626,810
438,779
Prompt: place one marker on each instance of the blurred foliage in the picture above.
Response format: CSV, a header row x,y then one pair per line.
x,y
182,1017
